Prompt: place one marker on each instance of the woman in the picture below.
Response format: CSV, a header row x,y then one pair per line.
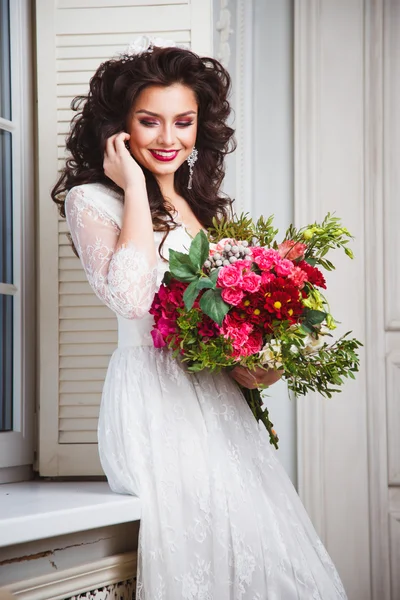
x,y
220,517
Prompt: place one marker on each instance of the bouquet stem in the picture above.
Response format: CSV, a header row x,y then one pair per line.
x,y
254,400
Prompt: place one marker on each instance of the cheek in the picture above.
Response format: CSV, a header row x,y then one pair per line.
x,y
188,137
140,137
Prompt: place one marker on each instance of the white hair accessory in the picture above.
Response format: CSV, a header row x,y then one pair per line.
x,y
145,43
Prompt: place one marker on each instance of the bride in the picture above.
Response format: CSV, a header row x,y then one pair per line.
x,y
220,517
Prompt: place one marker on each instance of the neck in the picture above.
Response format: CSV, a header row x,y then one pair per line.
x,y
166,183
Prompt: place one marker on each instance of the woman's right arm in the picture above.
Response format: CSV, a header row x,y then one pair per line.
x,y
120,265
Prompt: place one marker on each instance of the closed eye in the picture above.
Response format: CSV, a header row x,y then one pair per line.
x,y
148,123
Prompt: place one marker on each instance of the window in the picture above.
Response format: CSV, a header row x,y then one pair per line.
x,y
16,241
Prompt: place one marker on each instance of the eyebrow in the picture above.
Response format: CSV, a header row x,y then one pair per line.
x,y
184,114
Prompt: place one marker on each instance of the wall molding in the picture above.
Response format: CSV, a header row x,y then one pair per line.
x,y
223,26
374,294
244,105
79,580
310,424
393,416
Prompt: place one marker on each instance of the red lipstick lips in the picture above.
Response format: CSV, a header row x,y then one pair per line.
x,y
164,155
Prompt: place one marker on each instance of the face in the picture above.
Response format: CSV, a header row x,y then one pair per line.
x,y
163,127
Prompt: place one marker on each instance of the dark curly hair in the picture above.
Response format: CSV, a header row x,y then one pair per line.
x,y
113,91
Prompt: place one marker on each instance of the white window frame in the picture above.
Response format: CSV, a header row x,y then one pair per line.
x,y
16,446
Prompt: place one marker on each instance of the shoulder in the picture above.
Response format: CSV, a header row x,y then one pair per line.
x,y
97,199
91,193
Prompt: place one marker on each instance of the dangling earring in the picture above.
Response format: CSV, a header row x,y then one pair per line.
x,y
191,159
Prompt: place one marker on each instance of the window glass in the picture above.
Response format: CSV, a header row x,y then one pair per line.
x,y
5,79
6,362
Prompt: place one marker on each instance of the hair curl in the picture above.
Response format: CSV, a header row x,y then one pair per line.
x,y
104,111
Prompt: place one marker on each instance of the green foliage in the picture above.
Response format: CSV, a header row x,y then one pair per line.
x,y
190,294
320,238
243,228
212,305
181,267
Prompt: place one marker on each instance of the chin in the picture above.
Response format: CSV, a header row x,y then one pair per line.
x,y
167,169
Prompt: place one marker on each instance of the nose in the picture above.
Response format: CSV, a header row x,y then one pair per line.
x,y
166,137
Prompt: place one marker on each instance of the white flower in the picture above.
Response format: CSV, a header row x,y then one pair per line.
x,y
312,343
145,43
271,354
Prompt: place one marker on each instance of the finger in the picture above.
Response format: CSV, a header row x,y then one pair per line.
x,y
110,149
120,140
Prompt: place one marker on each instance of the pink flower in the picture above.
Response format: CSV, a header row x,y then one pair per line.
x,y
253,344
267,277
251,282
220,245
284,267
265,258
238,334
232,296
291,250
298,277
166,326
230,276
158,339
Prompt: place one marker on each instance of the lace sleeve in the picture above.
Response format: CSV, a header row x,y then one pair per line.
x,y
122,279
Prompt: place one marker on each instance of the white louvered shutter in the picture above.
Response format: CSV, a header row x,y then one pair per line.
x,y
77,333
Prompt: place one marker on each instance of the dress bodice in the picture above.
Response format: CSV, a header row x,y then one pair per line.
x,y
121,278
136,332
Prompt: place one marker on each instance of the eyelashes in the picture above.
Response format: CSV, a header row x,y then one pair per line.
x,y
154,123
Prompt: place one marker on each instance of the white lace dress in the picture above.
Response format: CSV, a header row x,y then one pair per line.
x,y
221,519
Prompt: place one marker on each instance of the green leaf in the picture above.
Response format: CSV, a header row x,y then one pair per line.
x,y
190,294
311,261
313,317
167,278
181,267
214,276
212,305
204,283
199,249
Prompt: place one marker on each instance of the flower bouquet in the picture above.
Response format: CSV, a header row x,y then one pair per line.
x,y
238,297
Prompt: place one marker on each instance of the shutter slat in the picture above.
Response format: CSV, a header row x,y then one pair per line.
x,y
84,362
108,20
83,300
100,311
74,411
84,325
72,275
103,39
109,4
81,387
75,287
79,399
89,337
78,425
80,349
78,437
74,375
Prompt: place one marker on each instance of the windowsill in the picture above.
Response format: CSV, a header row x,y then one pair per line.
x,y
35,510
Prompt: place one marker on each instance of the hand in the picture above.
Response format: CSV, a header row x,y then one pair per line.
x,y
118,163
253,379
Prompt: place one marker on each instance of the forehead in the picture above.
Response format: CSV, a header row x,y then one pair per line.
x,y
176,98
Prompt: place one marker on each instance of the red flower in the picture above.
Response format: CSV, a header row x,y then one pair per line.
x,y
314,275
208,328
